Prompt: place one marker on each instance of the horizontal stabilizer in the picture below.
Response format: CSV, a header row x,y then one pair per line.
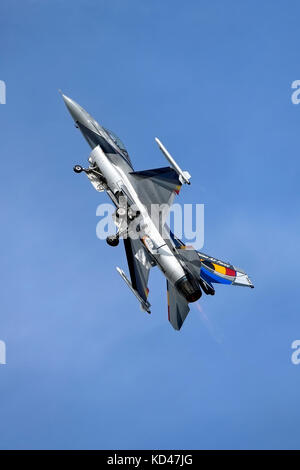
x,y
178,307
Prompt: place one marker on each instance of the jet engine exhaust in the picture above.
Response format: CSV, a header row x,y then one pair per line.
x,y
188,286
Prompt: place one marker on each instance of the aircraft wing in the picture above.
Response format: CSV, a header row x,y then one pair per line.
x,y
156,187
139,266
178,307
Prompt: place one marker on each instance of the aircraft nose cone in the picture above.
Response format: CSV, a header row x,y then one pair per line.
x,y
76,111
90,129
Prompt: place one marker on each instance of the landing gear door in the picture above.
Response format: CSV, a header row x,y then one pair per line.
x,y
95,181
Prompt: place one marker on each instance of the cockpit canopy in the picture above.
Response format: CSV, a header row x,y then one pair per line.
x,y
118,142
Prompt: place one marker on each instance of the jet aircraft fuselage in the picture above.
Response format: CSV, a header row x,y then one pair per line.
x,y
138,197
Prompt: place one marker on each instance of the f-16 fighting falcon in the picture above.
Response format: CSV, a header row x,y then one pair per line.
x,y
147,239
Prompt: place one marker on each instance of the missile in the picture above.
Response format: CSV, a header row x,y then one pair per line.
x,y
184,175
144,304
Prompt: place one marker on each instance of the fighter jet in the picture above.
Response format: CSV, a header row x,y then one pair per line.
x,y
147,239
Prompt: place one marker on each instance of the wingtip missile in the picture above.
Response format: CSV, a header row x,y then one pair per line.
x,y
144,304
184,175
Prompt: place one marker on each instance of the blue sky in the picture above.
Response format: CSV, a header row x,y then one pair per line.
x,y
85,367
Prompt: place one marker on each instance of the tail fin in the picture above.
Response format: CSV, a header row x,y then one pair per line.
x,y
214,270
210,270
